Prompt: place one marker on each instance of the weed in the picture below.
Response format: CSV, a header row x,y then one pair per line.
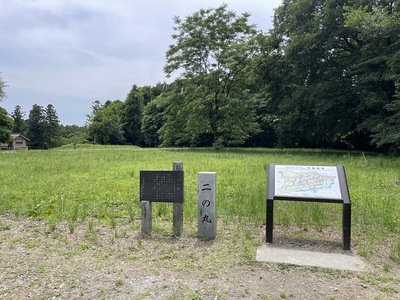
x,y
245,293
36,229
32,244
121,234
249,250
195,297
212,275
90,225
395,252
41,268
119,283
170,254
17,240
139,243
113,224
386,268
365,250
131,214
248,234
389,290
52,225
60,237
132,257
71,226
85,246
4,226
265,297
74,213
91,233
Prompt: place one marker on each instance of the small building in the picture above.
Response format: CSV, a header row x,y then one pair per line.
x,y
19,142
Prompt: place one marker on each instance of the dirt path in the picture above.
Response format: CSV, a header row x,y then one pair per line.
x,y
97,261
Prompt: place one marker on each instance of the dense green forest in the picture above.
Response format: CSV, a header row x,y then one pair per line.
x,y
326,75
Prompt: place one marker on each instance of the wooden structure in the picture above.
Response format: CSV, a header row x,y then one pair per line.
x,y
162,186
19,142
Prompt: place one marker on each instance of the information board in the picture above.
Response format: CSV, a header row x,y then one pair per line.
x,y
161,186
307,181
311,184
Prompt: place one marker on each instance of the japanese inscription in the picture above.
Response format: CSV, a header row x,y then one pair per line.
x,y
161,186
307,181
207,215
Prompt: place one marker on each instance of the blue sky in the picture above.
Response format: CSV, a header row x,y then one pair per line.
x,y
69,53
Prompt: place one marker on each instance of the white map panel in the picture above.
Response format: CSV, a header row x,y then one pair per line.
x,y
307,181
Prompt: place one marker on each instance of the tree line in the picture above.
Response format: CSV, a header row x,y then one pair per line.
x,y
42,127
326,75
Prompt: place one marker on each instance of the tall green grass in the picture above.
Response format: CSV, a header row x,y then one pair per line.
x,y
103,182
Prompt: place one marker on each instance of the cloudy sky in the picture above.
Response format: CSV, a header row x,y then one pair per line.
x,y
69,53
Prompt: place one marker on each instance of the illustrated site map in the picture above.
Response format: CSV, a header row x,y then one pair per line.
x,y
307,181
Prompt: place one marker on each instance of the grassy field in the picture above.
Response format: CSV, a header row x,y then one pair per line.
x,y
74,185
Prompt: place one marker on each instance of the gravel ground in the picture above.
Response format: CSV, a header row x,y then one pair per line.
x,y
91,260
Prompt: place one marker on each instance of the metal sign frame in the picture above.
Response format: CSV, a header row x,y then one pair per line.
x,y
344,199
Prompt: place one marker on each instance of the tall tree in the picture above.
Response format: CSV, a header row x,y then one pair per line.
x,y
105,125
6,124
168,119
328,84
3,86
152,121
36,127
52,127
212,49
43,128
132,116
5,121
307,66
19,122
376,70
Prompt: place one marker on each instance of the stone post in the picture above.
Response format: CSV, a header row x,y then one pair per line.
x,y
207,206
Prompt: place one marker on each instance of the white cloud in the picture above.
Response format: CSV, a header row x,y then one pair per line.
x,y
71,52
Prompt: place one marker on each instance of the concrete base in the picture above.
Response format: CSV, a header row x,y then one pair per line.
x,y
270,253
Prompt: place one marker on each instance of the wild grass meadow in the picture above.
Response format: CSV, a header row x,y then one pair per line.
x,y
75,185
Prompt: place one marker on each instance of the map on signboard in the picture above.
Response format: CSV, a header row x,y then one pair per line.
x,y
307,181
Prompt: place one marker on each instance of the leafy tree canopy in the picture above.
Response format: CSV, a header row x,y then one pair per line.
x,y
43,128
6,124
213,48
105,125
329,71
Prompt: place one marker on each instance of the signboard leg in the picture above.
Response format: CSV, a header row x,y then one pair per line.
x,y
177,209
177,217
346,224
270,220
146,217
